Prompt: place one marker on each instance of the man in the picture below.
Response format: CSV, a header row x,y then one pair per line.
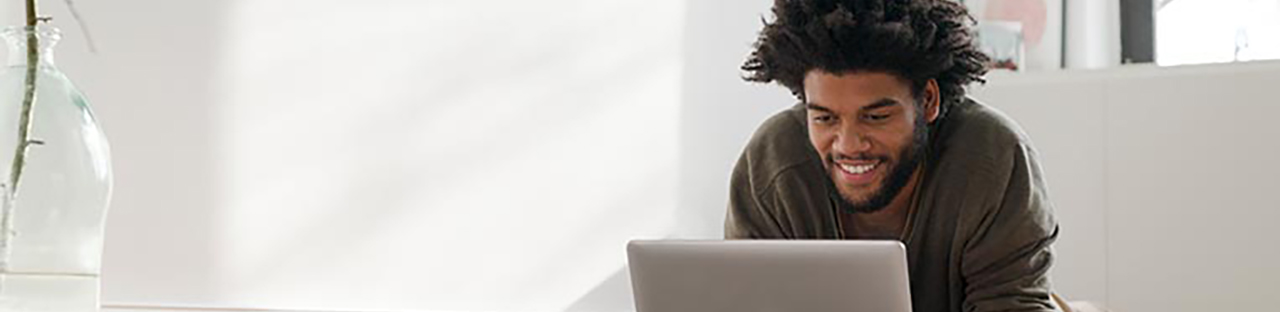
x,y
885,145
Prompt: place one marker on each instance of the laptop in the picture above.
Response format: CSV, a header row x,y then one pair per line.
x,y
769,275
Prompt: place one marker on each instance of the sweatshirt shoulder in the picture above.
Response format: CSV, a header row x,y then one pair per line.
x,y
975,127
779,146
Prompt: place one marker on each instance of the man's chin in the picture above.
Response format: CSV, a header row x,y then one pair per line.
x,y
859,198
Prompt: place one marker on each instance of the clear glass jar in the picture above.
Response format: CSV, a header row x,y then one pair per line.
x,y
51,256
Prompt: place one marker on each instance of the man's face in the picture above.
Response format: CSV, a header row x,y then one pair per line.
x,y
869,129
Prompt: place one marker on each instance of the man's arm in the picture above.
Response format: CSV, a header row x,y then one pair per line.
x,y
1008,255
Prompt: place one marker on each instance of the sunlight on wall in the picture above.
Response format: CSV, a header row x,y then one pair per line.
x,y
442,155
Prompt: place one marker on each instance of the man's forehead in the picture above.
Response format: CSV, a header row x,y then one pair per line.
x,y
855,90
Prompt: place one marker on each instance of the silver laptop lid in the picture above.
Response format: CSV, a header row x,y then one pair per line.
x,y
769,275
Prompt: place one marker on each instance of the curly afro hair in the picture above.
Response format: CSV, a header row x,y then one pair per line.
x,y
916,40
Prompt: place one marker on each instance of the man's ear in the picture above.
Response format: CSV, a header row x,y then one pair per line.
x,y
932,101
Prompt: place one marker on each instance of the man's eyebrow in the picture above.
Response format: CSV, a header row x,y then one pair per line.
x,y
812,106
882,103
885,102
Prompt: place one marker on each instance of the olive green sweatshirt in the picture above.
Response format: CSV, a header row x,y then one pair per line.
x,y
979,239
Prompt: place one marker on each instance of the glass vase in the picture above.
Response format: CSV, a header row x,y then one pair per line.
x,y
51,224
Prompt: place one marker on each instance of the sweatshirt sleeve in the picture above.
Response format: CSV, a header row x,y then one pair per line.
x,y
1007,256
747,217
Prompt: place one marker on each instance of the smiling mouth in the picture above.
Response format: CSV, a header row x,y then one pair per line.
x,y
858,169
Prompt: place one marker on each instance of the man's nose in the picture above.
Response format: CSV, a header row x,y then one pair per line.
x,y
851,142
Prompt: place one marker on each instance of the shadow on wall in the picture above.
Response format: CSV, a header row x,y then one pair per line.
x,y
151,86
613,294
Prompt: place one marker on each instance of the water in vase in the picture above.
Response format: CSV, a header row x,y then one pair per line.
x,y
51,224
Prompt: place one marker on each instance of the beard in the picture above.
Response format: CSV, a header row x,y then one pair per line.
x,y
909,158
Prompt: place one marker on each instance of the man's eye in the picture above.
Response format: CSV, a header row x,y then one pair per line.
x,y
876,117
824,119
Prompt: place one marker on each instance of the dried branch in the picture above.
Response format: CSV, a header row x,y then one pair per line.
x,y
24,137
28,99
84,27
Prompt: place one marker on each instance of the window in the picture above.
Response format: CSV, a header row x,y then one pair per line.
x,y
1216,31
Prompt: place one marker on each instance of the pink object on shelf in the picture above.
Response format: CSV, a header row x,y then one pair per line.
x,y
1031,13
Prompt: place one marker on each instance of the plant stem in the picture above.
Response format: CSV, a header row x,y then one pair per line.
x,y
28,98
24,136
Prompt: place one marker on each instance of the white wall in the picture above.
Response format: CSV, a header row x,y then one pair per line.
x,y
719,111
1162,179
379,155
486,156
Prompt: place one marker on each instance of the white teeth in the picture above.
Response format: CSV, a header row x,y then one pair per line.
x,y
857,169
